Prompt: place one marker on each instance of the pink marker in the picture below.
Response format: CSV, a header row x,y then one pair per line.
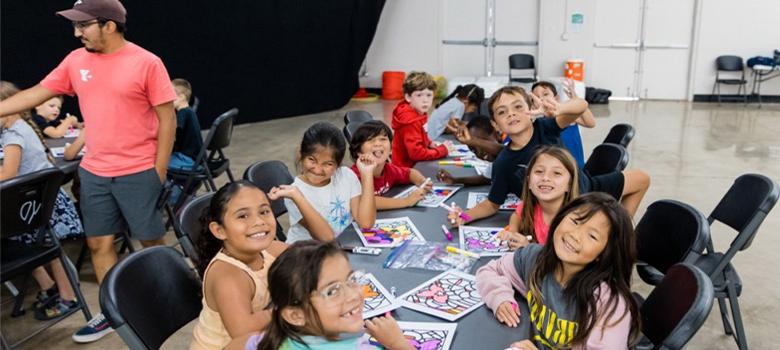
x,y
462,215
447,233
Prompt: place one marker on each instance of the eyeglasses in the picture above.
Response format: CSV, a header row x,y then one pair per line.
x,y
84,25
337,291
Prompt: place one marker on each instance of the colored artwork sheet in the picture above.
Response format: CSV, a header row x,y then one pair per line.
x,y
389,232
72,133
460,151
482,241
450,295
424,335
510,203
377,300
439,194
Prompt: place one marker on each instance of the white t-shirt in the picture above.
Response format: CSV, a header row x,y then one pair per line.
x,y
331,201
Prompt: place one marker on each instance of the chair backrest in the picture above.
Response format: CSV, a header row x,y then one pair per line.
x,y
28,201
521,61
729,63
188,222
671,232
607,158
745,205
269,174
149,295
195,104
221,131
357,116
677,307
350,129
620,134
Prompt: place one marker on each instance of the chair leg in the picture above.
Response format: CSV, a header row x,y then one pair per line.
x,y
3,343
736,315
18,309
82,256
718,87
73,278
724,316
230,175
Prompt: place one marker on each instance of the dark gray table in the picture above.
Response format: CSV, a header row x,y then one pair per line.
x,y
67,166
477,330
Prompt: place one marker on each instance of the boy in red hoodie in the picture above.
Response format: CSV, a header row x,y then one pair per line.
x,y
410,142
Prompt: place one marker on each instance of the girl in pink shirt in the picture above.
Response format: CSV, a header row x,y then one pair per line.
x,y
550,182
575,291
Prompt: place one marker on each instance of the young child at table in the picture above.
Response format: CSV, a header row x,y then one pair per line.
x,y
570,136
236,249
550,183
481,138
464,99
511,110
372,139
330,196
575,290
25,152
317,302
410,142
47,118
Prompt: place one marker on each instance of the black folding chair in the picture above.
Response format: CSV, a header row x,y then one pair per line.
x,y
267,175
730,64
675,310
620,134
607,158
743,208
357,116
522,61
350,129
211,161
669,232
187,225
27,205
149,295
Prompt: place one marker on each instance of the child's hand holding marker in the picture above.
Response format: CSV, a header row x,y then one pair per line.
x,y
514,239
508,313
426,185
456,215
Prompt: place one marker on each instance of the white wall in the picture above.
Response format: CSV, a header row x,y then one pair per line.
x,y
744,28
410,33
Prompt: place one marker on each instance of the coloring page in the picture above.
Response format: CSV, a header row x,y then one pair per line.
x,y
424,335
450,295
389,232
510,203
439,194
377,299
482,241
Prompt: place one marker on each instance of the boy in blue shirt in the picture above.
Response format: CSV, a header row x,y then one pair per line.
x,y
188,140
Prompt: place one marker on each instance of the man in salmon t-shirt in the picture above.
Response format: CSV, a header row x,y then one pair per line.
x,y
126,99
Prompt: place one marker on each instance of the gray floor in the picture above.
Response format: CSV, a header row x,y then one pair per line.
x,y
692,151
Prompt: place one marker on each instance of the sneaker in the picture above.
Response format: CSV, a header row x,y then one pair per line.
x,y
97,328
45,298
56,309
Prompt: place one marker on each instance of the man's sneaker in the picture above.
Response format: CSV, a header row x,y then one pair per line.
x,y
97,328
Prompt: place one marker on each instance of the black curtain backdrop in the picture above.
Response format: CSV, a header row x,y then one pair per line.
x,y
269,58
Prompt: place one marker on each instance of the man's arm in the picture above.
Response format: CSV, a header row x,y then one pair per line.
x,y
25,100
165,135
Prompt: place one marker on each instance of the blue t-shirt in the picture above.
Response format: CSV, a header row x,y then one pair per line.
x,y
441,116
508,168
188,140
570,136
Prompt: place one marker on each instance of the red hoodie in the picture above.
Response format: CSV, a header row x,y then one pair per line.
x,y
410,141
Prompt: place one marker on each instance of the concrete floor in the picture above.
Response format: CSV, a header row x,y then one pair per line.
x,y
692,151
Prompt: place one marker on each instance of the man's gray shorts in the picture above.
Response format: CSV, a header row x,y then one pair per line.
x,y
111,204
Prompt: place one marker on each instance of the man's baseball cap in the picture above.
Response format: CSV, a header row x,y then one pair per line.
x,y
85,10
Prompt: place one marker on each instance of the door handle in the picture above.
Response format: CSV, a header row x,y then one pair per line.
x,y
618,45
